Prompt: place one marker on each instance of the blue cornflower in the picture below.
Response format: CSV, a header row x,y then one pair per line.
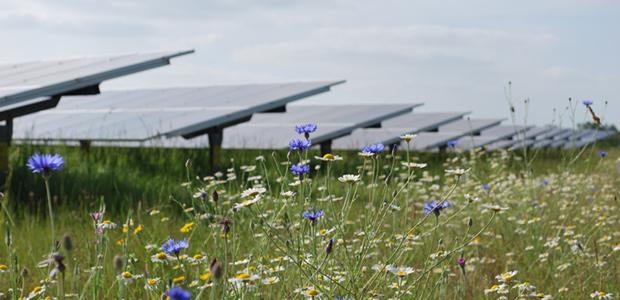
x,y
172,247
306,129
435,207
546,181
178,294
374,148
300,169
452,143
45,163
486,187
587,103
313,216
602,154
299,144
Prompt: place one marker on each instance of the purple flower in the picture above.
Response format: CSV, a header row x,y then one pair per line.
x,y
300,169
461,262
602,154
435,207
96,216
179,294
172,247
374,148
313,216
452,143
45,163
546,181
307,128
486,187
587,103
299,144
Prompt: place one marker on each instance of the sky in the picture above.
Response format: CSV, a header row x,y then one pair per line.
x,y
451,55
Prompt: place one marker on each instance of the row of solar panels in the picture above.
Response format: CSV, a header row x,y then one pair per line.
x,y
242,116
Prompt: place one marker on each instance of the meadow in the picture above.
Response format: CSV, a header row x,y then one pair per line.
x,y
112,223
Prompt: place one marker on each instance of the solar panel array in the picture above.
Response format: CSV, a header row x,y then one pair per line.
x,y
137,115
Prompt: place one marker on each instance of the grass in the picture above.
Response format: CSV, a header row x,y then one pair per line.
x,y
559,230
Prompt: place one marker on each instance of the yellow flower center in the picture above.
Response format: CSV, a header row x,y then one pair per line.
x,y
162,256
271,281
439,252
313,293
243,276
323,231
601,294
106,222
335,278
254,193
401,273
495,287
37,289
198,256
152,282
328,156
252,269
126,275
3,268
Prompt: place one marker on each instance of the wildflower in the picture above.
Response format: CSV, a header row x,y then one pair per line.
x,y
300,169
205,276
452,143
299,144
154,212
526,286
187,227
247,203
151,284
402,271
138,229
287,194
413,165
270,280
495,208
106,224
160,257
36,291
471,198
458,172
507,277
349,178
202,194
374,148
179,279
408,137
500,289
176,293
381,267
96,216
602,295
251,192
45,163
172,247
306,129
328,157
435,207
225,224
329,247
587,103
313,216
313,293
602,154
127,277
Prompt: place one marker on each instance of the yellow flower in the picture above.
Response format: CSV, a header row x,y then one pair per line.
x,y
187,227
120,243
138,229
179,279
205,276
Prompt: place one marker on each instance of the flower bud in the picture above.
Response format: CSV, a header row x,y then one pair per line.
x,y
216,271
470,222
67,243
329,247
24,272
215,196
117,262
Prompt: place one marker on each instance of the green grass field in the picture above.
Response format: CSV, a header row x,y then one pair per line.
x,y
541,224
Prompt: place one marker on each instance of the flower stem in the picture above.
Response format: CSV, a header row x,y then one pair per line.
x,y
49,205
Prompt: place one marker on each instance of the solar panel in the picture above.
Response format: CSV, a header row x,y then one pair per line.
x,y
392,129
453,131
134,115
25,81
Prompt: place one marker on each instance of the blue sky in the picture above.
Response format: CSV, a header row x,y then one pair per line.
x,y
452,55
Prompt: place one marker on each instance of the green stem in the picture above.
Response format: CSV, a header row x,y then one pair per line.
x,y
49,205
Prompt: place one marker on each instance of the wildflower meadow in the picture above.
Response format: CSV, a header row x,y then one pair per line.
x,y
380,223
